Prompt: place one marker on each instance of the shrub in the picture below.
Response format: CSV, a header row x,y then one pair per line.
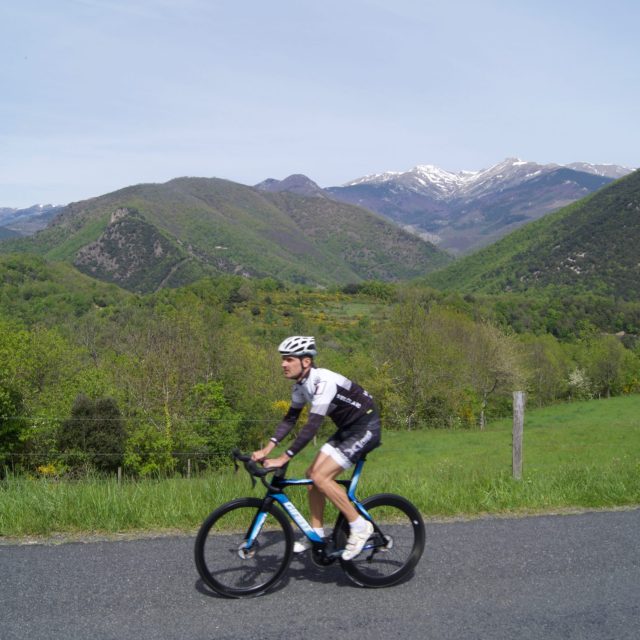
x,y
94,435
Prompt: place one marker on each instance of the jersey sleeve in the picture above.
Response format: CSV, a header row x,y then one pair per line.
x,y
306,433
287,423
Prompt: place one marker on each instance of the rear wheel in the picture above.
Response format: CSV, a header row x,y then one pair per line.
x,y
394,548
224,561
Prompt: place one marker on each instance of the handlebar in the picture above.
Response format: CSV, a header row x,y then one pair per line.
x,y
255,471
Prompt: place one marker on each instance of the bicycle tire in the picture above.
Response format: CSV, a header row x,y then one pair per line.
x,y
221,561
385,561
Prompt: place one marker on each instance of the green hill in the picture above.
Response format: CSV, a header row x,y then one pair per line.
x,y
149,236
35,290
589,246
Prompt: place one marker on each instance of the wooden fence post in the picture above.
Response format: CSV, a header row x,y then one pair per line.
x,y
188,468
518,429
119,476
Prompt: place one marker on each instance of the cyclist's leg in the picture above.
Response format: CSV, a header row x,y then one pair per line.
x,y
317,503
344,450
324,472
317,499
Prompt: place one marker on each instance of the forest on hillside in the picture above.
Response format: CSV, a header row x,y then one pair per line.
x,y
94,378
589,247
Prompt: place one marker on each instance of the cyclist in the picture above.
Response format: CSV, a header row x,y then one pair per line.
x,y
358,431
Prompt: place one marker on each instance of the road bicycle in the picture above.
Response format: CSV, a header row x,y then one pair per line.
x,y
245,546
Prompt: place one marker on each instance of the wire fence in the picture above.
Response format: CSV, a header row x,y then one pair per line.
x,y
78,464
150,419
143,457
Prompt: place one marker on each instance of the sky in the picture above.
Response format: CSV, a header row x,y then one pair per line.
x,y
97,95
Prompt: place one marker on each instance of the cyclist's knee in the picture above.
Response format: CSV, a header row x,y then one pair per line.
x,y
315,476
320,479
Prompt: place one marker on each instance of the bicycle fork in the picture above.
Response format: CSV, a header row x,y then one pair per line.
x,y
246,548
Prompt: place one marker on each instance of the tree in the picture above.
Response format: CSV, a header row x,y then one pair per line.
x,y
548,369
158,357
424,352
213,428
94,434
148,452
493,364
443,364
607,365
11,424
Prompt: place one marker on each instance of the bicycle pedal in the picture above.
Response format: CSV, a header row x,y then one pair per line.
x,y
335,554
324,554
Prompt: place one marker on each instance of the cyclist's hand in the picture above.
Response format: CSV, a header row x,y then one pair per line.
x,y
280,461
261,454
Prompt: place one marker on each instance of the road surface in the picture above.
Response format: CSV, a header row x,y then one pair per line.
x,y
544,577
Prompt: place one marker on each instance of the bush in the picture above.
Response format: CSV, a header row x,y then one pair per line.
x,y
94,435
215,428
148,452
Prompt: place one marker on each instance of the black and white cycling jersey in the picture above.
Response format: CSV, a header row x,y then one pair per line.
x,y
329,394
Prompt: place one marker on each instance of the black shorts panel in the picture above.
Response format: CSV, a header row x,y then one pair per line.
x,y
357,439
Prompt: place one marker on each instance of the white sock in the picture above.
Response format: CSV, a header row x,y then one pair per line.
x,y
319,531
359,524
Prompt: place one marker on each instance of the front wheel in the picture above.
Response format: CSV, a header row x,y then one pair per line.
x,y
395,546
227,564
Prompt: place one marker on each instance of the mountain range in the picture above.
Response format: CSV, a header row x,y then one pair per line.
x,y
150,236
458,211
462,211
25,222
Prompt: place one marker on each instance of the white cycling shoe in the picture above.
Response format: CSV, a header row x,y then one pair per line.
x,y
356,541
301,546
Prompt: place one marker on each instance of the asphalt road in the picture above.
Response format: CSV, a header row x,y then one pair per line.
x,y
548,577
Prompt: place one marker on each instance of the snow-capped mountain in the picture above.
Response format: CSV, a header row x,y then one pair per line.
x,y
465,210
449,185
607,170
28,221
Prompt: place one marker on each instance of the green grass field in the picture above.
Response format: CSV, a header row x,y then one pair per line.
x,y
584,455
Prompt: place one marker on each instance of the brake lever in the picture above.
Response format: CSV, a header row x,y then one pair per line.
x,y
253,480
234,454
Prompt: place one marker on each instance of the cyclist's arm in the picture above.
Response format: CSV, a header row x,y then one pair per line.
x,y
306,434
287,423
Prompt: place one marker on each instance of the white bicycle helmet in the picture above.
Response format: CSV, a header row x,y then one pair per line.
x,y
298,346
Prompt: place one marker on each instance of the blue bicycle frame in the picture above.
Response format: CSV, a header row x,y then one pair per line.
x,y
275,493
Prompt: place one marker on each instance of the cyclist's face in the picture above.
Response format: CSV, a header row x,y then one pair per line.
x,y
293,367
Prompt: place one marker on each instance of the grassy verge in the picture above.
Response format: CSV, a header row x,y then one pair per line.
x,y
581,455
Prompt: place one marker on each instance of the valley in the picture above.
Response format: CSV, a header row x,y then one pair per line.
x,y
163,302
